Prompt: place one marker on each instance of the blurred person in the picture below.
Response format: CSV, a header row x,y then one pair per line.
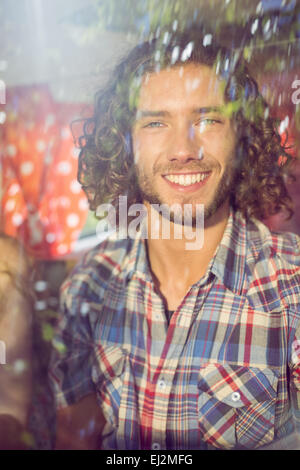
x,y
160,346
16,340
41,203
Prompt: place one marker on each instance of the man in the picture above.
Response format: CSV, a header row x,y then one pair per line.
x,y
161,346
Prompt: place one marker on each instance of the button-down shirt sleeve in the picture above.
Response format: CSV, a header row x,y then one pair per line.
x,y
72,356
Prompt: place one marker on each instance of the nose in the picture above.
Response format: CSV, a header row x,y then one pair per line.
x,y
183,146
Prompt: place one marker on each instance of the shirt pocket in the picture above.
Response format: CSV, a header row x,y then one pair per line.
x,y
108,377
236,405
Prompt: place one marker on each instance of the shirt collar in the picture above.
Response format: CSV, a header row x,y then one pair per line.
x,y
229,262
239,248
136,263
242,245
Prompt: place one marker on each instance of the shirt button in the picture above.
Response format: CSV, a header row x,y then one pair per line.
x,y
235,396
155,446
162,384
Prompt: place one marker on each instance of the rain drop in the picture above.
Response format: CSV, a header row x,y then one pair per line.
x,y
40,305
254,26
175,54
2,117
84,308
19,366
186,54
259,7
166,38
200,153
207,40
267,26
40,286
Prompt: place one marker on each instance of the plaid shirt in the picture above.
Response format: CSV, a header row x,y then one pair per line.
x,y
224,373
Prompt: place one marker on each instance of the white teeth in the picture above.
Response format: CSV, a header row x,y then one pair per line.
x,y
186,180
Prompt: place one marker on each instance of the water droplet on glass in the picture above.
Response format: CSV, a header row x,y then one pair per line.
x,y
166,38
19,366
186,54
207,40
254,26
2,117
40,286
267,26
84,308
175,54
40,305
259,7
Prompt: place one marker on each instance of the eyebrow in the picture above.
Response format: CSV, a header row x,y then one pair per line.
x,y
203,110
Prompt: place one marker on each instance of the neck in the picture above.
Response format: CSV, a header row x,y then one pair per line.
x,y
177,259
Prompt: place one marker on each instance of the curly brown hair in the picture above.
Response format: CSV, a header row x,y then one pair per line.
x,y
106,163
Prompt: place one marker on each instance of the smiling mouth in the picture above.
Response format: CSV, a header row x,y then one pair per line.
x,y
185,180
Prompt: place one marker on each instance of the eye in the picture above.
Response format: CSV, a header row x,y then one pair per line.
x,y
203,123
154,124
207,121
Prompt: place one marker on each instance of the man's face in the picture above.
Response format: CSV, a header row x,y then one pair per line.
x,y
184,145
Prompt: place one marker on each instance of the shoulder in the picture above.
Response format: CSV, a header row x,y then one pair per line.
x,y
14,272
98,267
283,247
13,258
273,260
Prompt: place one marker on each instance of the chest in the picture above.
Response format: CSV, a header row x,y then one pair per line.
x,y
210,324
217,364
